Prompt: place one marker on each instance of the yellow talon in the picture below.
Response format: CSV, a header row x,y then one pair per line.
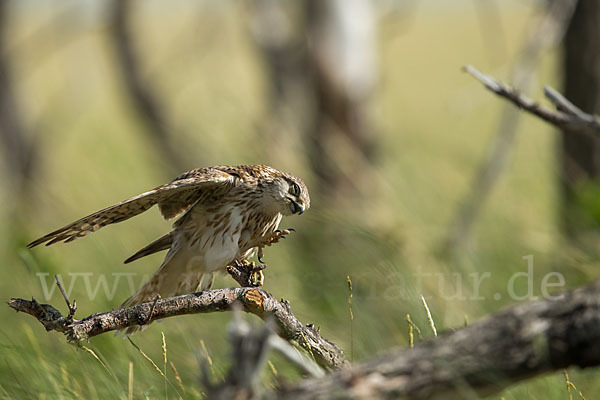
x,y
257,278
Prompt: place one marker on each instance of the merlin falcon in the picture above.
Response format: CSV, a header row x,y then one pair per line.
x,y
226,214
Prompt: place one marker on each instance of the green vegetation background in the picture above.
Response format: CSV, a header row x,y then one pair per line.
x,y
434,125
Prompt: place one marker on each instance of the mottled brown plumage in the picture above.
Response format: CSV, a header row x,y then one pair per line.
x,y
226,214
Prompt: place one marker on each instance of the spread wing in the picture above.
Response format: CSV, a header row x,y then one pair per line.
x,y
172,199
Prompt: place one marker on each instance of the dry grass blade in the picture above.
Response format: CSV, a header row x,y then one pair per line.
x,y
146,357
177,377
429,318
90,351
349,281
571,385
154,365
272,367
164,349
130,382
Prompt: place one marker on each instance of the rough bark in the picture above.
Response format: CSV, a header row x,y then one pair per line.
x,y
255,301
513,345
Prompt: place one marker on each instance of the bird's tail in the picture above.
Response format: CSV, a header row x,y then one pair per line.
x,y
170,280
162,243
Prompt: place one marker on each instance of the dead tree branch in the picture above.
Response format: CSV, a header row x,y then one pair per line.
x,y
254,301
251,347
513,345
567,116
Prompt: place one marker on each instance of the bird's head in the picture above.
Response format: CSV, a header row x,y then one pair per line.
x,y
289,195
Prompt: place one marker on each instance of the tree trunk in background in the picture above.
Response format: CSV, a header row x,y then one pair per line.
x,y
321,65
580,152
19,146
144,98
341,52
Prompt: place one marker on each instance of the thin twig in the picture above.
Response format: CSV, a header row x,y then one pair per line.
x,y
307,365
73,307
562,104
567,116
251,347
152,309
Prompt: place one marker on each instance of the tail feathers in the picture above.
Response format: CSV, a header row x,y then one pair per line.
x,y
155,288
206,282
144,295
162,243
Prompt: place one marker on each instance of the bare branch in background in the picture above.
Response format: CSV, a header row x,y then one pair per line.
x,y
567,116
19,147
545,34
140,91
249,356
255,301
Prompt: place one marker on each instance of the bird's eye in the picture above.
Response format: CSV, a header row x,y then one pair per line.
x,y
295,189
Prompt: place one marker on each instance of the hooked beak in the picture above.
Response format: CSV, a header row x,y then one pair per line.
x,y
296,208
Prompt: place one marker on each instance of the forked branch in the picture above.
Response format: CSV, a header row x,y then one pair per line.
x,y
253,300
567,116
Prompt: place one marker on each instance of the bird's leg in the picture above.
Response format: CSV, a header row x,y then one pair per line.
x,y
277,236
272,239
246,273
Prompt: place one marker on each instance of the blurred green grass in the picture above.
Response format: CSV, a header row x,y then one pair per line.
x,y
434,126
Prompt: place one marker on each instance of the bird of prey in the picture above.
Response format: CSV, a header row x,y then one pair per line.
x,y
226,214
